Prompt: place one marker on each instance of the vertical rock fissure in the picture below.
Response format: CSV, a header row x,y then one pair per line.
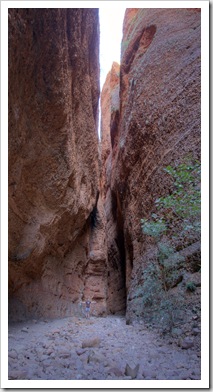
x,y
115,237
120,242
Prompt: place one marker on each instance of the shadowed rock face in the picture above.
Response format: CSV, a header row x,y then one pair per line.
x,y
53,159
158,122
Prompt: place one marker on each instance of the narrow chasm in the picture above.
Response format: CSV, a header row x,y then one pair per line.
x,y
104,232
119,256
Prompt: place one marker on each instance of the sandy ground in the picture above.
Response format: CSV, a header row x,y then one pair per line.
x,y
99,348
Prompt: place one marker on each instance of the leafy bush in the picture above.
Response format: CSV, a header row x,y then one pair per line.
x,y
155,229
177,216
154,303
181,207
178,213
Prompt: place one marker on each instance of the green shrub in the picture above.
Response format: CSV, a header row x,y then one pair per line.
x,y
181,207
154,229
177,216
191,286
154,303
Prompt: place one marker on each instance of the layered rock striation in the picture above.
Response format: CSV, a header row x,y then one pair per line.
x,y
53,161
158,124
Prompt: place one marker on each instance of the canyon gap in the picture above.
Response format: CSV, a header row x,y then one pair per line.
x,y
74,215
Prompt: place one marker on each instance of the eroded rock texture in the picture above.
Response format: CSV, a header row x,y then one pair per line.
x,y
53,161
158,124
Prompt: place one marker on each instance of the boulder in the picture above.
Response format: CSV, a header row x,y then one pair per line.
x,y
93,342
186,343
132,372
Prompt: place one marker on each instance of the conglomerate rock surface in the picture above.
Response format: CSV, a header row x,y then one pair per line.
x,y
158,124
53,160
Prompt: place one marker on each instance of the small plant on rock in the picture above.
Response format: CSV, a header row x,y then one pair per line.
x,y
191,286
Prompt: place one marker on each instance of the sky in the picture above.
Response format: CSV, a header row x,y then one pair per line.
x,y
111,23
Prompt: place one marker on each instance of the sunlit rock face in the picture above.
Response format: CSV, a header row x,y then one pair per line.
x,y
53,162
158,124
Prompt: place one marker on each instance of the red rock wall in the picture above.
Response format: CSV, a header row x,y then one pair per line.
x,y
158,124
53,160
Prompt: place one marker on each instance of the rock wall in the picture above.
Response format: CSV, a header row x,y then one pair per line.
x,y
158,124
53,162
